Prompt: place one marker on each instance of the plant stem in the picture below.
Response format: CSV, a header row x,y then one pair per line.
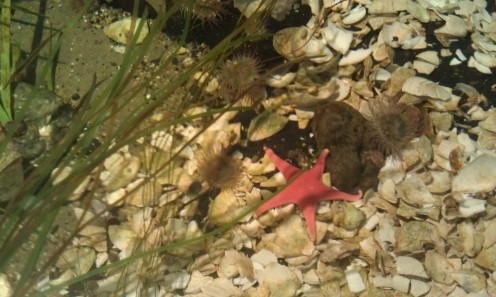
x,y
5,109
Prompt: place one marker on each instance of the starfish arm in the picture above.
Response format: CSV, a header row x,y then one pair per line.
x,y
320,164
309,214
287,170
326,193
281,198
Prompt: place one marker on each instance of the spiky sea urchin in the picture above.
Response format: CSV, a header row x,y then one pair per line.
x,y
393,125
206,11
237,74
218,169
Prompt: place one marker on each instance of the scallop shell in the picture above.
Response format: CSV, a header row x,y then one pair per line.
x,y
120,171
290,42
120,31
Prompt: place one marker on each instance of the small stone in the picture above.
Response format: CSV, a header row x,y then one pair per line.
x,y
413,237
279,280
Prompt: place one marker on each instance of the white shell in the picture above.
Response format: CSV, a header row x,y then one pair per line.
x,y
418,11
355,15
460,55
317,51
355,56
455,26
409,266
337,38
489,123
120,31
423,67
386,6
419,86
280,80
355,281
478,176
454,62
381,74
485,59
430,57
401,35
472,62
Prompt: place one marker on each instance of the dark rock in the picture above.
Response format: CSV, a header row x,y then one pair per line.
x,y
353,161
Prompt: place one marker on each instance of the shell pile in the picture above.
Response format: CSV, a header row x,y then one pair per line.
x,y
427,230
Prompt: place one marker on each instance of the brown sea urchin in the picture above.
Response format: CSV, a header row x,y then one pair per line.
x,y
237,74
206,11
393,125
218,169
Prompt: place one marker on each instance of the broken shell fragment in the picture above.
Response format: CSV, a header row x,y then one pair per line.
x,y
418,11
419,86
354,15
413,191
438,267
402,35
265,125
355,56
487,258
225,207
355,281
471,281
386,6
337,38
470,207
410,267
426,62
474,63
489,123
478,176
120,171
455,26
317,51
485,59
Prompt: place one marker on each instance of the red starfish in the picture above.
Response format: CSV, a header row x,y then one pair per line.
x,y
306,190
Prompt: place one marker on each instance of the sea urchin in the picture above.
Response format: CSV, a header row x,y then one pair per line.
x,y
218,169
393,125
237,74
206,11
